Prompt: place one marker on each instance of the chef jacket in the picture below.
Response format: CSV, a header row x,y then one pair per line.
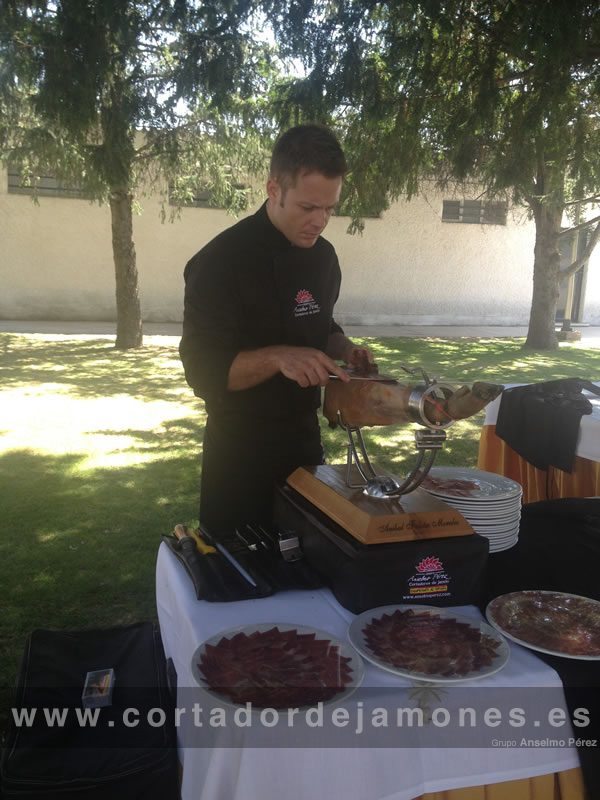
x,y
250,288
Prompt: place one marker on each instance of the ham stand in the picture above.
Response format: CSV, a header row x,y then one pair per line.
x,y
372,510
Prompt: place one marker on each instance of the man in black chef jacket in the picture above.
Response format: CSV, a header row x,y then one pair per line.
x,y
259,338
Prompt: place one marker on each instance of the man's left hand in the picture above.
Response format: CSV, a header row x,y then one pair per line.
x,y
356,356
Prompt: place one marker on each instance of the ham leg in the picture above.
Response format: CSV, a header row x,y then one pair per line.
x,y
367,403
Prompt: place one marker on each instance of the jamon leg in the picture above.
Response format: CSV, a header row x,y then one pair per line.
x,y
368,403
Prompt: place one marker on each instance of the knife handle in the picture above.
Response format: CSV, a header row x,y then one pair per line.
x,y
181,531
201,544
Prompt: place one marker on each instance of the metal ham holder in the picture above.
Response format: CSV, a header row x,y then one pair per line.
x,y
427,442
382,508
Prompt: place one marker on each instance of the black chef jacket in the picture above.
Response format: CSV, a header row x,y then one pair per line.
x,y
250,288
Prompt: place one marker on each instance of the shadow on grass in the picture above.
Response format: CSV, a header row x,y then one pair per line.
x,y
466,360
93,368
79,545
392,448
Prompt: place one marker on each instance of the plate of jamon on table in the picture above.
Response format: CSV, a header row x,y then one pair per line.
x,y
556,623
490,502
277,665
428,644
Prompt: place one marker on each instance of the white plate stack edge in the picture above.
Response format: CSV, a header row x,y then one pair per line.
x,y
490,503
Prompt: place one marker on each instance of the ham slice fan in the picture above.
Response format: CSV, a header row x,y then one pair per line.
x,y
366,400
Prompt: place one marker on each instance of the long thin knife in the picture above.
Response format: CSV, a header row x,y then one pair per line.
x,y
209,539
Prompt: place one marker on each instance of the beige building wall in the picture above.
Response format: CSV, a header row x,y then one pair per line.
x,y
590,312
406,268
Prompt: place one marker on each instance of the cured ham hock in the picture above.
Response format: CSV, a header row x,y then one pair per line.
x,y
372,401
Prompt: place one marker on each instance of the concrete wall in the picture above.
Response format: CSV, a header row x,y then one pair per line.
x,y
407,268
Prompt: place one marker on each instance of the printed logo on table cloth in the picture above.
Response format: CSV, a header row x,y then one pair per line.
x,y
305,304
430,579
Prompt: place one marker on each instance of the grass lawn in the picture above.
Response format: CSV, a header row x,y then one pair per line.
x,y
100,454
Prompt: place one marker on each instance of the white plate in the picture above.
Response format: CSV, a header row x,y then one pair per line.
x,y
483,504
501,519
356,634
344,650
500,538
503,613
496,541
501,548
489,508
504,524
489,484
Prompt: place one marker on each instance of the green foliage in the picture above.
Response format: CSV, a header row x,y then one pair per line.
x,y
116,96
496,96
492,90
109,94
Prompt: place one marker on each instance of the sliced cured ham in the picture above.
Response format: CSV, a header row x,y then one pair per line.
x,y
455,487
429,644
553,622
275,669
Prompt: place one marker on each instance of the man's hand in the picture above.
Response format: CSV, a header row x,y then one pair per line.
x,y
344,349
308,366
356,356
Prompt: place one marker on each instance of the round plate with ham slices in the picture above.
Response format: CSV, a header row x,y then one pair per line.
x,y
277,665
470,484
556,623
428,644
490,502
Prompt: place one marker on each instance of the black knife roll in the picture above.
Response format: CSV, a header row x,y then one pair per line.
x,y
216,580
435,572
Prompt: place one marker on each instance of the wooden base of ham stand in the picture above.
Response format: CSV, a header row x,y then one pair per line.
x,y
374,520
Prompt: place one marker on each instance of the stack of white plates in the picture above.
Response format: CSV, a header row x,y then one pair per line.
x,y
490,502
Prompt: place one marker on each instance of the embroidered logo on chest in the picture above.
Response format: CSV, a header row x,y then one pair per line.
x,y
305,304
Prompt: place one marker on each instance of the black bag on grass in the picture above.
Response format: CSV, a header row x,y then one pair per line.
x,y
123,751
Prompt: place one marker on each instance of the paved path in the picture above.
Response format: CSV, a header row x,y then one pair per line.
x,y
590,336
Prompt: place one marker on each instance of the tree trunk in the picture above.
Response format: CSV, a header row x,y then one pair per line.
x,y
541,334
129,316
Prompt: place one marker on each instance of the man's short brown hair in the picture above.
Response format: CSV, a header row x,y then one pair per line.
x,y
304,149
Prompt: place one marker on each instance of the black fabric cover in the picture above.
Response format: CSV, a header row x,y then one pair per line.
x,y
559,549
366,576
541,421
74,761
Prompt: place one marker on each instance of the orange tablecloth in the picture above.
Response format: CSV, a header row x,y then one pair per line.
x,y
566,785
496,456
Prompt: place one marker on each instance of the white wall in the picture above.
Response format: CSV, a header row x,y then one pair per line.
x,y
406,268
591,303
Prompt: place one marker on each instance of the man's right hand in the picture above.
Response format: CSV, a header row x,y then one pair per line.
x,y
307,366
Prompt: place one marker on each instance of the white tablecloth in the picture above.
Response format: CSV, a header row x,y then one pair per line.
x,y
588,440
219,767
